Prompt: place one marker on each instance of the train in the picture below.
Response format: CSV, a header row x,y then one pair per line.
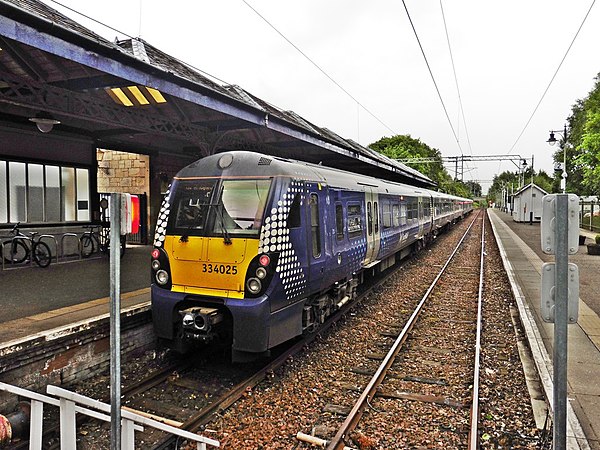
x,y
252,250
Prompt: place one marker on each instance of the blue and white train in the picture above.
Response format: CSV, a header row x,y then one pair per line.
x,y
254,250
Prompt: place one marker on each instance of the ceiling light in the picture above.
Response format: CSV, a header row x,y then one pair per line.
x,y
44,121
119,96
156,95
138,95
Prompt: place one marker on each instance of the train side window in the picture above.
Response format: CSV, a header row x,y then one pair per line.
x,y
396,215
315,225
386,215
376,216
403,214
355,226
293,219
339,222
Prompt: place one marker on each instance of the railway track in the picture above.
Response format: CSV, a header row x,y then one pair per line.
x,y
203,383
431,370
199,395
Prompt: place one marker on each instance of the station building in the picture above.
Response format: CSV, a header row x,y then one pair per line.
x,y
81,116
527,203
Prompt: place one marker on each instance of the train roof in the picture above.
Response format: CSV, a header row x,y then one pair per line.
x,y
247,164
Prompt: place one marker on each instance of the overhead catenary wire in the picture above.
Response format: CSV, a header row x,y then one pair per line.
x,y
133,37
456,82
318,67
552,79
432,77
462,111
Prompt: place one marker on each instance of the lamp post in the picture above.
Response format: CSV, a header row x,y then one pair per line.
x,y
563,145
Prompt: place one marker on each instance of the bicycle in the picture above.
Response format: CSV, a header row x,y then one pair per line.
x,y
17,251
97,238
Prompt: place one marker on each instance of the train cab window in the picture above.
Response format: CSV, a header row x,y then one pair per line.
x,y
339,222
315,225
376,217
192,200
293,219
242,206
355,225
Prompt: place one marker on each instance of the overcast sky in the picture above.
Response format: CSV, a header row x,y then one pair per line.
x,y
505,53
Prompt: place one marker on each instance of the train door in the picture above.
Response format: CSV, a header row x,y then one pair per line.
x,y
420,216
316,243
373,232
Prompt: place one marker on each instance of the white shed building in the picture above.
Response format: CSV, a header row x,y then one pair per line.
x,y
527,203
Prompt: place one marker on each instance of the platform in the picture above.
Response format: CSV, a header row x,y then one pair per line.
x,y
521,246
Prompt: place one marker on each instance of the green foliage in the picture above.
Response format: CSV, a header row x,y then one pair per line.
x,y
405,147
583,145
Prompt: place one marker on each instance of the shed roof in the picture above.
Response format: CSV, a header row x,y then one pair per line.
x,y
69,71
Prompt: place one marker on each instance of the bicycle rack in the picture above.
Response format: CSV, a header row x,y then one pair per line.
x,y
52,239
30,247
62,245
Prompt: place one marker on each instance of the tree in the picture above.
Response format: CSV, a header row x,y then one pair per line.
x,y
583,145
405,147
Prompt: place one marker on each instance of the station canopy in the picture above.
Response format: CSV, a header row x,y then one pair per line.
x,y
130,96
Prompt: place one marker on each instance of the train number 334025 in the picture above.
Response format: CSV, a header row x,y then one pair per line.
x,y
223,269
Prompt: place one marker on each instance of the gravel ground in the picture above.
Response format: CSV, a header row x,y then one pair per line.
x,y
305,394
310,392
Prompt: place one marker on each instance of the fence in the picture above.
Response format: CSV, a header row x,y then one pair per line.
x,y
70,404
589,215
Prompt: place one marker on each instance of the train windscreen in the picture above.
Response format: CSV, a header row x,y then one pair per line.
x,y
241,207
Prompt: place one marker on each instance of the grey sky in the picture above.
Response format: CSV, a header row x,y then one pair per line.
x,y
505,54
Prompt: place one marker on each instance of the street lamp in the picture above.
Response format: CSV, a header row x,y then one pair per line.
x,y
563,145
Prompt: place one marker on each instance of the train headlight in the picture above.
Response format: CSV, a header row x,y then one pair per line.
x,y
264,260
261,273
254,285
162,277
188,320
156,264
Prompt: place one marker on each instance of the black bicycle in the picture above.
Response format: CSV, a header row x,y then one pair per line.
x,y
97,238
22,247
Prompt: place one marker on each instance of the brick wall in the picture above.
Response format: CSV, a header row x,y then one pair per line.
x,y
123,172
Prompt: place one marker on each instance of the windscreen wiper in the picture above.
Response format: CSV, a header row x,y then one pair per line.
x,y
226,237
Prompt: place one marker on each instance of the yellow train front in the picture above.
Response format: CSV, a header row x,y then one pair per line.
x,y
221,236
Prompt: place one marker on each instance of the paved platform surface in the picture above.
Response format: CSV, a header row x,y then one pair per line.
x,y
521,243
35,300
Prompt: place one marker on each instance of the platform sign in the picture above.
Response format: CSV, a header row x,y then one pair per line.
x,y
549,288
548,226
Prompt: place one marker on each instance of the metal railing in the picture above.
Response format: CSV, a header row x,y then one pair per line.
x,y
589,215
70,404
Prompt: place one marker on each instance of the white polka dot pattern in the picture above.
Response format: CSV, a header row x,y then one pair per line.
x,y
163,217
274,237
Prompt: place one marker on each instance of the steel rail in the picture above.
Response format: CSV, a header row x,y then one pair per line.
x,y
207,413
337,442
474,433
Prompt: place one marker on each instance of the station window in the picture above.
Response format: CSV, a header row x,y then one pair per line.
x,y
40,193
339,222
315,225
